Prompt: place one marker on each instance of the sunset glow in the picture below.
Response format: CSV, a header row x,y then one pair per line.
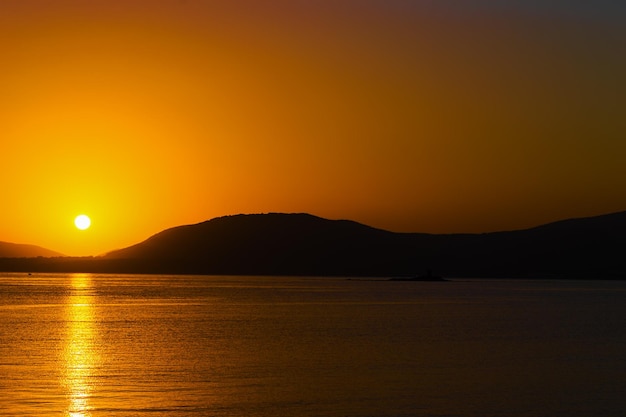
x,y
401,115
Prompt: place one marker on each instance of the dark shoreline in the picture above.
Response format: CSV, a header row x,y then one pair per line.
x,y
420,279
176,267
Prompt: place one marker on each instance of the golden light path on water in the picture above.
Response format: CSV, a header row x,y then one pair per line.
x,y
79,353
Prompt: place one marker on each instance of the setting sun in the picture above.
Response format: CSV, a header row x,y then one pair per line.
x,y
82,222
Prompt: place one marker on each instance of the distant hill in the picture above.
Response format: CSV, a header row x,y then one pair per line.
x,y
14,250
299,244
302,244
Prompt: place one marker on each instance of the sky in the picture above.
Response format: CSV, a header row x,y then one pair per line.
x,y
407,115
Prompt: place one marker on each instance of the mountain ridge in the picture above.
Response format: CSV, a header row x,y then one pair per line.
x,y
301,243
20,250
304,244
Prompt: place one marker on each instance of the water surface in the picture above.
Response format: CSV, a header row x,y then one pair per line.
x,y
137,345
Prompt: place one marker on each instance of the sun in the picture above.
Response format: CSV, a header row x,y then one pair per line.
x,y
82,222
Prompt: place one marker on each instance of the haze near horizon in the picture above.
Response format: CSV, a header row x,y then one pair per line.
x,y
409,116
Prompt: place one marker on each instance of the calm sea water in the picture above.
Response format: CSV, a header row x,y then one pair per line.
x,y
133,345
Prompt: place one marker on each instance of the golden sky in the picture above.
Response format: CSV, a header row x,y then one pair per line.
x,y
406,115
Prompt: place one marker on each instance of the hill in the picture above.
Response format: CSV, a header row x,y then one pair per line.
x,y
15,250
302,244
299,244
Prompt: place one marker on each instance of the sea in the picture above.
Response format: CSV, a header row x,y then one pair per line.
x,y
162,345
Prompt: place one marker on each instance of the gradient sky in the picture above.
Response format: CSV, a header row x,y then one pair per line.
x,y
424,116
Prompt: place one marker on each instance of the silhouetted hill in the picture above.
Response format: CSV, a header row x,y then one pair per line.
x,y
273,244
15,250
303,244
585,247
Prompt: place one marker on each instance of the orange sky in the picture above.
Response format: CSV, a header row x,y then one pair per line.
x,y
398,114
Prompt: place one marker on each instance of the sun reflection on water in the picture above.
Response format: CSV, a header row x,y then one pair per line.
x,y
80,353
